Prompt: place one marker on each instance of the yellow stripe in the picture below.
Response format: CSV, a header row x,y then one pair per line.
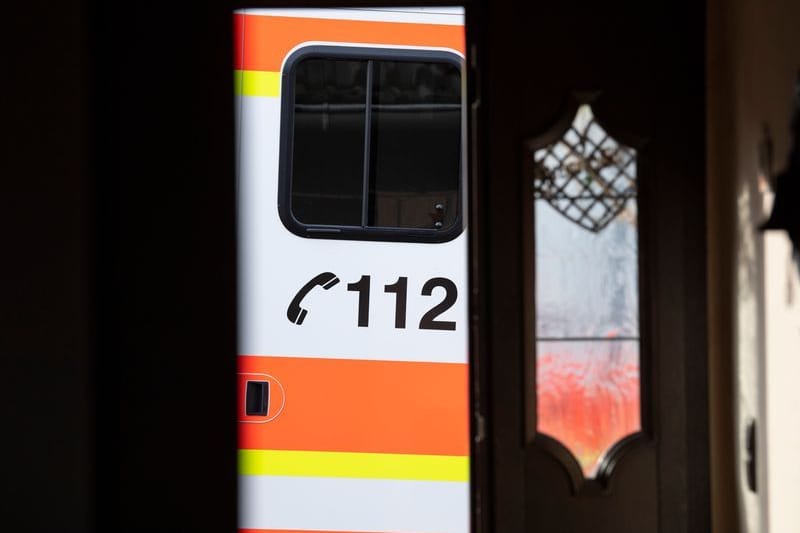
x,y
353,465
256,83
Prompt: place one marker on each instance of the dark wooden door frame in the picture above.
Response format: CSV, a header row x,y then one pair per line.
x,y
673,245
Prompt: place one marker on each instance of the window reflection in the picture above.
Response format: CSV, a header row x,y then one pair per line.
x,y
416,145
376,143
328,158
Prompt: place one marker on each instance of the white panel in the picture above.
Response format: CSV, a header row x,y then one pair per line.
x,y
430,15
275,263
782,362
342,504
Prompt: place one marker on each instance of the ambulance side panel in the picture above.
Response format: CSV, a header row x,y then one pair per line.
x,y
355,424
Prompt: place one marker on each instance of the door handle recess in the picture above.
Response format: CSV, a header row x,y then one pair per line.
x,y
257,398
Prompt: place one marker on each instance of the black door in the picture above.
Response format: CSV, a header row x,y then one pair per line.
x,y
588,248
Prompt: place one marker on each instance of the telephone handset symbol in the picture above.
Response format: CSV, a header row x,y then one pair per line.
x,y
297,314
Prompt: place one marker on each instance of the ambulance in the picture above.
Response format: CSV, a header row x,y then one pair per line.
x,y
353,369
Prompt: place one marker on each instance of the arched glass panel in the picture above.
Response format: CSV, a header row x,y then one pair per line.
x,y
587,298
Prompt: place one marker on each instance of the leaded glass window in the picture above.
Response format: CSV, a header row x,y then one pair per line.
x,y
586,296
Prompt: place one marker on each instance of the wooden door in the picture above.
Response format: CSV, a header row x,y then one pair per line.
x,y
643,74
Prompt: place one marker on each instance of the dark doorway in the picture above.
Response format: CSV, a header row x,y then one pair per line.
x,y
643,71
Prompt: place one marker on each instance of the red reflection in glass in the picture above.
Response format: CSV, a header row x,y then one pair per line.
x,y
588,395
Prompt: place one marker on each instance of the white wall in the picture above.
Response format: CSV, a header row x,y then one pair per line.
x,y
754,55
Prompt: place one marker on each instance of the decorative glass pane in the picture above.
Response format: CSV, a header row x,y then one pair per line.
x,y
587,297
588,395
586,283
587,176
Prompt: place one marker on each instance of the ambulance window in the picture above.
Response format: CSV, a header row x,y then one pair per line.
x,y
371,144
416,144
328,169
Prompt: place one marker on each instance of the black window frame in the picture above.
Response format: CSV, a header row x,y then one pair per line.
x,y
285,157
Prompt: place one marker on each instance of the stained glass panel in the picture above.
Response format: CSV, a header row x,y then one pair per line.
x,y
588,395
586,283
587,297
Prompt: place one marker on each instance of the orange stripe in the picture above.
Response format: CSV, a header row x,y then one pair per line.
x,y
362,406
268,40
